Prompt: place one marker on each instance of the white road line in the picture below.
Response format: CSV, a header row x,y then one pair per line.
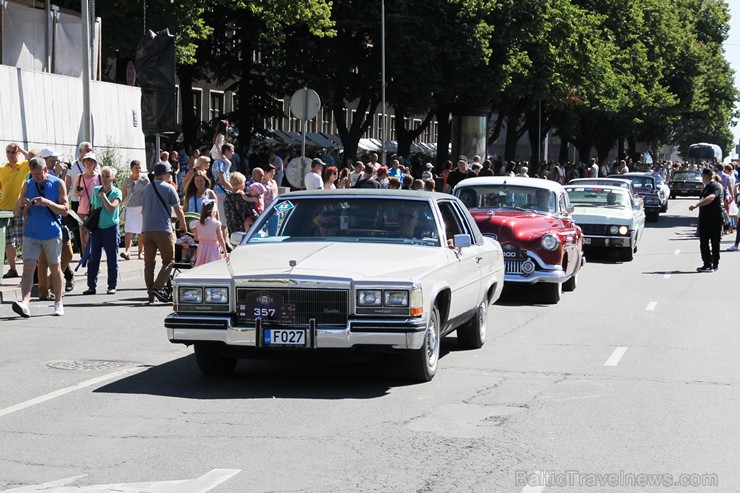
x,y
676,252
537,482
616,356
67,390
651,306
667,275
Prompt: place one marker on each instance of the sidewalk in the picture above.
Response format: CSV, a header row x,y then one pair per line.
x,y
10,289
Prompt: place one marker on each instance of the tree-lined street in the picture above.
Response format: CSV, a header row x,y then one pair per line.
x,y
634,372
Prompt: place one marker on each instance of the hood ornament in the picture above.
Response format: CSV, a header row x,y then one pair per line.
x,y
292,263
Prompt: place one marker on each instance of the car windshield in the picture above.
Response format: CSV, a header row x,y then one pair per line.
x,y
508,197
603,183
597,197
686,176
643,182
348,219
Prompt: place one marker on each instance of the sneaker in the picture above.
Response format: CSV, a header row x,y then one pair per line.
x,y
715,267
21,309
733,248
705,268
11,274
89,291
112,291
58,309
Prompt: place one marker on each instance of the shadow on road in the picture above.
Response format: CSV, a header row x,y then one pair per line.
x,y
307,376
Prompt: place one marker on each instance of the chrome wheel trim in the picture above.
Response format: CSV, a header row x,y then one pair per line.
x,y
483,319
432,345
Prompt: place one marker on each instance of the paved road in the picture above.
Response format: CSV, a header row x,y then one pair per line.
x,y
633,373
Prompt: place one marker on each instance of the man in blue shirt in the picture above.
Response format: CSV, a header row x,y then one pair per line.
x,y
44,200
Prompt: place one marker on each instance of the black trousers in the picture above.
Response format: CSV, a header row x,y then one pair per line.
x,y
710,232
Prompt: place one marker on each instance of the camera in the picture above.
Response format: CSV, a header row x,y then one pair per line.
x,y
79,189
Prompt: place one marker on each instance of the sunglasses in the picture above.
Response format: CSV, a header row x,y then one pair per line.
x,y
10,152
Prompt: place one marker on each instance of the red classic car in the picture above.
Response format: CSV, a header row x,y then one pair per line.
x,y
531,219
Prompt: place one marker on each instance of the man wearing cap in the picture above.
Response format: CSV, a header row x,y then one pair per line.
x,y
381,176
55,168
159,198
45,199
313,180
428,173
12,177
367,180
710,207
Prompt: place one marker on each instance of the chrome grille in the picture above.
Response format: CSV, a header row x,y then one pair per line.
x,y
513,266
327,306
594,229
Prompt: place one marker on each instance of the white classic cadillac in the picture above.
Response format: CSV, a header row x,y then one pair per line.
x,y
610,217
383,270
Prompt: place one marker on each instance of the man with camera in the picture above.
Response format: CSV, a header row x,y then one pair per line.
x,y
12,176
44,200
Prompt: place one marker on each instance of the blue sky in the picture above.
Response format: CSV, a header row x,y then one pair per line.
x,y
732,50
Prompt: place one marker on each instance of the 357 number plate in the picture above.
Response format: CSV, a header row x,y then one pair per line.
x,y
285,337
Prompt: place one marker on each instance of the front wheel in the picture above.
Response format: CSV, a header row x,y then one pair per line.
x,y
551,292
422,363
210,361
472,335
571,284
626,254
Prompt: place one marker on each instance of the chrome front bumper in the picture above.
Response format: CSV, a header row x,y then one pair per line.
x,y
396,334
554,275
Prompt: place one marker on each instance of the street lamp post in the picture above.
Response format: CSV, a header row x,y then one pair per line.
x,y
383,127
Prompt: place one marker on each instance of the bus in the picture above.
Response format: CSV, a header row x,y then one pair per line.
x,y
704,152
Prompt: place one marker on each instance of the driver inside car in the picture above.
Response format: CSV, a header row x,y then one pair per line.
x,y
541,201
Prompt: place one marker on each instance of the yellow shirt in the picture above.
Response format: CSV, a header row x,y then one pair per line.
x,y
11,182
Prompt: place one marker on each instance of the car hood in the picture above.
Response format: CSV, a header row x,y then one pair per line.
x,y
509,225
601,215
337,260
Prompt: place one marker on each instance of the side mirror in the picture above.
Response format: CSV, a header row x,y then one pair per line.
x,y
462,241
570,209
236,237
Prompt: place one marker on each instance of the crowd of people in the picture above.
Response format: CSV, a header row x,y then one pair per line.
x,y
57,206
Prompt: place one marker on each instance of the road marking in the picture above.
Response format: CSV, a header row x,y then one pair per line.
x,y
676,252
651,306
537,482
667,275
202,484
616,356
67,390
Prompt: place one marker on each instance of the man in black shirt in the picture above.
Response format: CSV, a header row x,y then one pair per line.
x,y
710,221
462,172
367,180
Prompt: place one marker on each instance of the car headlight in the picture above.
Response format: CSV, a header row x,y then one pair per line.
x,y
369,297
613,230
550,242
217,295
191,295
396,298
623,230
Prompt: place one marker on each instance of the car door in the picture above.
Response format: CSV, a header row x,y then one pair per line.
x,y
570,233
463,269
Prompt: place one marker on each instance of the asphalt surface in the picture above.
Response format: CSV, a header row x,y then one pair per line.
x,y
631,376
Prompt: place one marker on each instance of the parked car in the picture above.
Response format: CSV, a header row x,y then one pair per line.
x,y
608,218
346,269
531,218
612,182
647,188
685,183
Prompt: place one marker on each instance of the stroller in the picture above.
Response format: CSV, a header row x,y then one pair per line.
x,y
185,250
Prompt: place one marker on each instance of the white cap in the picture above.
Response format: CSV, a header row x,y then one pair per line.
x,y
48,152
430,166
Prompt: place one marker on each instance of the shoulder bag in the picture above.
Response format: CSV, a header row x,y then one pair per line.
x,y
93,218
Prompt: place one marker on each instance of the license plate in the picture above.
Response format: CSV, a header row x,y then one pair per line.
x,y
285,337
586,241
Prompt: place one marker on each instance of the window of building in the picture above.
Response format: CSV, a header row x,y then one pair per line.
x,y
198,103
216,108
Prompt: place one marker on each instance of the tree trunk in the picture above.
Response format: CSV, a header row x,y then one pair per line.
x,y
405,137
563,154
351,134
